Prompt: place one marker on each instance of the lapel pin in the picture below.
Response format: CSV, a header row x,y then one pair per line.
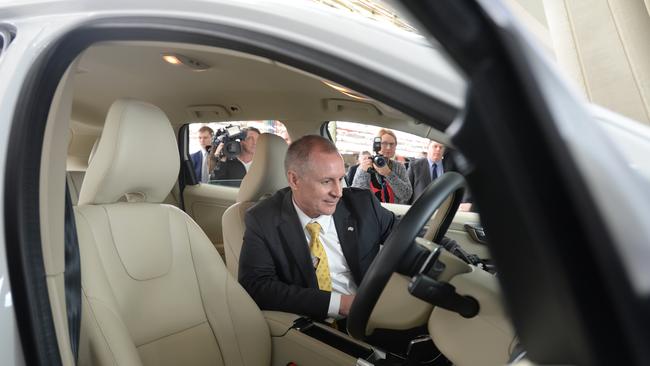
x,y
350,228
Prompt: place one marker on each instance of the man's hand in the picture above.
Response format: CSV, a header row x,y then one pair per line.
x,y
217,151
346,303
384,171
365,164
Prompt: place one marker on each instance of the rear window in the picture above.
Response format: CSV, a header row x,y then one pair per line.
x,y
238,140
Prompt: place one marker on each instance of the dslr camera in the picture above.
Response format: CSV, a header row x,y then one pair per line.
x,y
231,137
378,159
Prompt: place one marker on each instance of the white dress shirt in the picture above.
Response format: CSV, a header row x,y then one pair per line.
x,y
439,169
247,165
342,281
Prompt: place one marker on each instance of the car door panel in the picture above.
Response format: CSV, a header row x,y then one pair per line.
x,y
206,203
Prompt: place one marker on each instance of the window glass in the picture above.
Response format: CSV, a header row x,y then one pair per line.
x,y
352,138
427,159
229,148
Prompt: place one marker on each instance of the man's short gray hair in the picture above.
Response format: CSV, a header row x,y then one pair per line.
x,y
299,151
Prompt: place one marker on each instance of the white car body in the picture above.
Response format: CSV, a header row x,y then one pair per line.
x,y
402,56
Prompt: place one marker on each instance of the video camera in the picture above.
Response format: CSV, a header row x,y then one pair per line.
x,y
378,159
231,137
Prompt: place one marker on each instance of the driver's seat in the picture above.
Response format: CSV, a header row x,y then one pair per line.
x,y
155,290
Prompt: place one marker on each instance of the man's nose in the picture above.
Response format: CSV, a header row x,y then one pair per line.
x,y
337,190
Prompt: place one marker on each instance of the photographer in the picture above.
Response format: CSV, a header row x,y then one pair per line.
x,y
223,168
388,181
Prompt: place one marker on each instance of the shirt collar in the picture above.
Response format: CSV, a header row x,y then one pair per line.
x,y
323,220
431,162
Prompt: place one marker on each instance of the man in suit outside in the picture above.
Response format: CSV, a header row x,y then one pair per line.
x,y
199,161
307,248
424,171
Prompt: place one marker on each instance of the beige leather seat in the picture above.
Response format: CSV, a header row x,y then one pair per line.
x,y
265,177
155,290
75,178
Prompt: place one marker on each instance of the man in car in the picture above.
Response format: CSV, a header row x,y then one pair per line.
x,y
307,248
199,161
238,167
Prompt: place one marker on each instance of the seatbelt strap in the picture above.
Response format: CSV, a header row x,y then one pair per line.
x,y
72,276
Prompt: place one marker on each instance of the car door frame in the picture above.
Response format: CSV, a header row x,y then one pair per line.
x,y
35,95
555,236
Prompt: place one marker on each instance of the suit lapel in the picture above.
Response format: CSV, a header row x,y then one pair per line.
x,y
294,237
346,229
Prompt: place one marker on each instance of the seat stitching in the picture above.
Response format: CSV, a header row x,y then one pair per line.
x,y
92,231
205,312
173,333
101,329
241,356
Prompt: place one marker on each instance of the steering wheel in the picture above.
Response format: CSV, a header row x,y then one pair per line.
x,y
398,244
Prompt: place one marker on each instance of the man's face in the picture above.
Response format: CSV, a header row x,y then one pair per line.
x,y
249,144
205,139
388,146
318,189
435,151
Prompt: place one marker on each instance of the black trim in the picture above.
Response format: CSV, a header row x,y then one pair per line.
x,y
325,131
563,283
22,221
22,174
72,276
186,175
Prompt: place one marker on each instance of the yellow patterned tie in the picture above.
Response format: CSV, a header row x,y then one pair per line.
x,y
318,251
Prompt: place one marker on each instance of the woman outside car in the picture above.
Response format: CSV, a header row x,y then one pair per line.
x,y
389,183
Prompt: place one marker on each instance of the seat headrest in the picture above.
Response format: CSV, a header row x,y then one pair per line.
x,y
136,157
266,174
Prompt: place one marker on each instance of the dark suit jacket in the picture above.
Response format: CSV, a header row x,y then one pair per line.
x,y
229,169
349,177
275,266
420,176
419,173
197,161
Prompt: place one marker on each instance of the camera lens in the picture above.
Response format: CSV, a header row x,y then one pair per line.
x,y
379,161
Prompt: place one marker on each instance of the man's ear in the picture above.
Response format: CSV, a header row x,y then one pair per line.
x,y
292,178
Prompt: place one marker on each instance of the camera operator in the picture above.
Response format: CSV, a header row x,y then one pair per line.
x,y
385,177
236,168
